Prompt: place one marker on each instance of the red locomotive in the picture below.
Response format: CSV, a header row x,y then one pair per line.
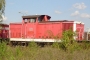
x,y
39,28
4,32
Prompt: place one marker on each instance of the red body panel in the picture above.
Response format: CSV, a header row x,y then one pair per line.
x,y
31,29
15,30
67,25
80,31
44,30
4,31
49,30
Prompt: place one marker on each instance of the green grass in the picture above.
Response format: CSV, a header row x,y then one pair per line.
x,y
34,52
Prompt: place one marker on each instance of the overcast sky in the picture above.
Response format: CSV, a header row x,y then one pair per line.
x,y
78,10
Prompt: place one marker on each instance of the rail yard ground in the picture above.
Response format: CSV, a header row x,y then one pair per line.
x,y
48,52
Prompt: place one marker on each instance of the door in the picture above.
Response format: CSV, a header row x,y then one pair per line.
x,y
30,30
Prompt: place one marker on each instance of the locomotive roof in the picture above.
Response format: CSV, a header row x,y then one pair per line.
x,y
35,16
64,21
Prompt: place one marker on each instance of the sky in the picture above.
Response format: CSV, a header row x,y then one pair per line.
x,y
77,10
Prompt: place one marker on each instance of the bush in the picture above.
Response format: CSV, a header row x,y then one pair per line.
x,y
68,40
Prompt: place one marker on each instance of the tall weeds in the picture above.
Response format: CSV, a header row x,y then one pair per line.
x,y
3,49
67,49
54,52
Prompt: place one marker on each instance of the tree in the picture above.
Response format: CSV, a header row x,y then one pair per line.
x,y
2,8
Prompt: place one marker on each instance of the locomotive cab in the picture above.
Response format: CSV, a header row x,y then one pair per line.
x,y
35,18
